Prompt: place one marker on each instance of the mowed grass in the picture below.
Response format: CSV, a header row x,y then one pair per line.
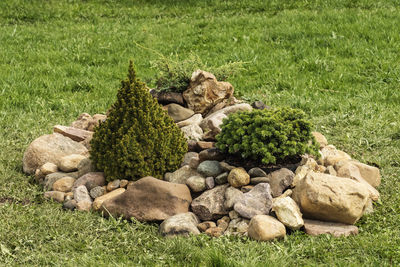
x,y
337,60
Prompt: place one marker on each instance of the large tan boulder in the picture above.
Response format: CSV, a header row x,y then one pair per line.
x,y
50,148
265,227
330,198
149,199
204,92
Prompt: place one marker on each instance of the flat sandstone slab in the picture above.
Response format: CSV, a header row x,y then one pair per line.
x,y
75,134
313,227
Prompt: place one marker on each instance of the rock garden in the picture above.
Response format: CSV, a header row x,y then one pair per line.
x,y
203,162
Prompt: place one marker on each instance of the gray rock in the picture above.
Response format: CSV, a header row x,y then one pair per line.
x,y
192,132
178,113
196,183
210,183
232,195
181,175
259,180
180,224
257,201
210,204
259,105
85,166
209,168
222,178
81,194
70,204
188,156
280,180
257,172
90,180
211,154
97,191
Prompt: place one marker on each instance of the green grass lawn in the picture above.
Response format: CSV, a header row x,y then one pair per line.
x,y
337,60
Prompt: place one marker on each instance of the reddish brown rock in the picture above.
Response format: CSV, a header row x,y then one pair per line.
x,y
75,134
313,227
150,199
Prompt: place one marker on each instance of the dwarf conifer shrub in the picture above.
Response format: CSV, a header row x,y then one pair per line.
x,y
138,138
268,136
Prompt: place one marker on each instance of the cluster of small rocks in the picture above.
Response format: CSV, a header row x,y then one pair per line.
x,y
207,194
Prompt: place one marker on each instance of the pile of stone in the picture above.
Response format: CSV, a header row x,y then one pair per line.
x,y
208,194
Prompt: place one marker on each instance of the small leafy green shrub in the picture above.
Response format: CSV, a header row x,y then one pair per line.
x,y
138,138
174,74
268,136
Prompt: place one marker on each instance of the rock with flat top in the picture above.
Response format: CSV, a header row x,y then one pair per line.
x,y
313,227
149,199
75,134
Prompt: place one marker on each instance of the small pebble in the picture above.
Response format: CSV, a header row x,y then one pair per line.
x,y
113,185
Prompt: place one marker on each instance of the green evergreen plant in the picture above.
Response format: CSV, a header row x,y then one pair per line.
x,y
268,136
138,138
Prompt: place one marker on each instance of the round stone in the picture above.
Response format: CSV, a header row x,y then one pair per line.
x,y
209,168
238,177
196,183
